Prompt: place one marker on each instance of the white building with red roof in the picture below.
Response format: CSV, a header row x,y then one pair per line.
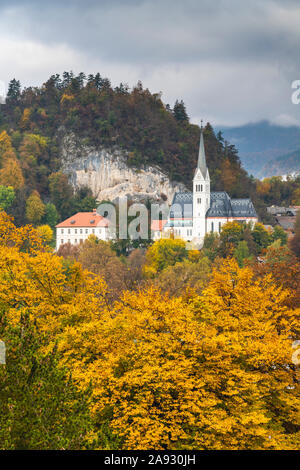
x,y
80,226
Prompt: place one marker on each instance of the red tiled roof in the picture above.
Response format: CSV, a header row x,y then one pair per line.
x,y
85,219
158,224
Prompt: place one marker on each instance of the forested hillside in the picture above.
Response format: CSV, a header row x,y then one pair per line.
x,y
131,343
135,120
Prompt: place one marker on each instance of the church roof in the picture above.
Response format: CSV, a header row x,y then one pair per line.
x,y
221,205
243,208
201,165
182,204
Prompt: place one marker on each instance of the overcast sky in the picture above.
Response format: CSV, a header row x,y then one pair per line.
x,y
231,61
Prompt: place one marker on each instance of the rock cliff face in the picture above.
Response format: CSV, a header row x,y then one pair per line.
x,y
106,173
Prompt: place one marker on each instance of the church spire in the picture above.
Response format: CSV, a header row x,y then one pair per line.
x,y
201,157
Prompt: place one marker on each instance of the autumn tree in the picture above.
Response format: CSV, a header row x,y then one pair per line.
x,y
282,263
97,256
163,253
11,174
228,175
46,234
207,373
35,208
6,147
184,276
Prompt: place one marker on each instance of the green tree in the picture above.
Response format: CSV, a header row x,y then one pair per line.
x,y
279,234
51,215
7,197
241,253
179,111
261,237
61,193
231,235
40,407
211,245
14,91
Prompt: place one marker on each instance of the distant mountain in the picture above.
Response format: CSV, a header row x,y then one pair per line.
x,y
288,164
260,143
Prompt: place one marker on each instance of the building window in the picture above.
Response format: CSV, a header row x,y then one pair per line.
x,y
81,240
93,230
75,240
86,230
69,230
220,225
75,230
81,230
212,227
69,241
199,200
201,187
62,242
62,230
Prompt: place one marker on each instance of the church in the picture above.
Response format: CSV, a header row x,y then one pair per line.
x,y
194,214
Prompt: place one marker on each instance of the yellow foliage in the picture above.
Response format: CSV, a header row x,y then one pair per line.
x,y
66,98
163,253
5,143
211,371
263,187
194,255
35,208
25,120
11,174
46,233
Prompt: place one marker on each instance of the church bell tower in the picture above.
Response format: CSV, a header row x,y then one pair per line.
x,y
201,194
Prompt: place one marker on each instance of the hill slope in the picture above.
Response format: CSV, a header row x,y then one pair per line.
x,y
136,121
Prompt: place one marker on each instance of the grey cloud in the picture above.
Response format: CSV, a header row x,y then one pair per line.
x,y
156,30
190,49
